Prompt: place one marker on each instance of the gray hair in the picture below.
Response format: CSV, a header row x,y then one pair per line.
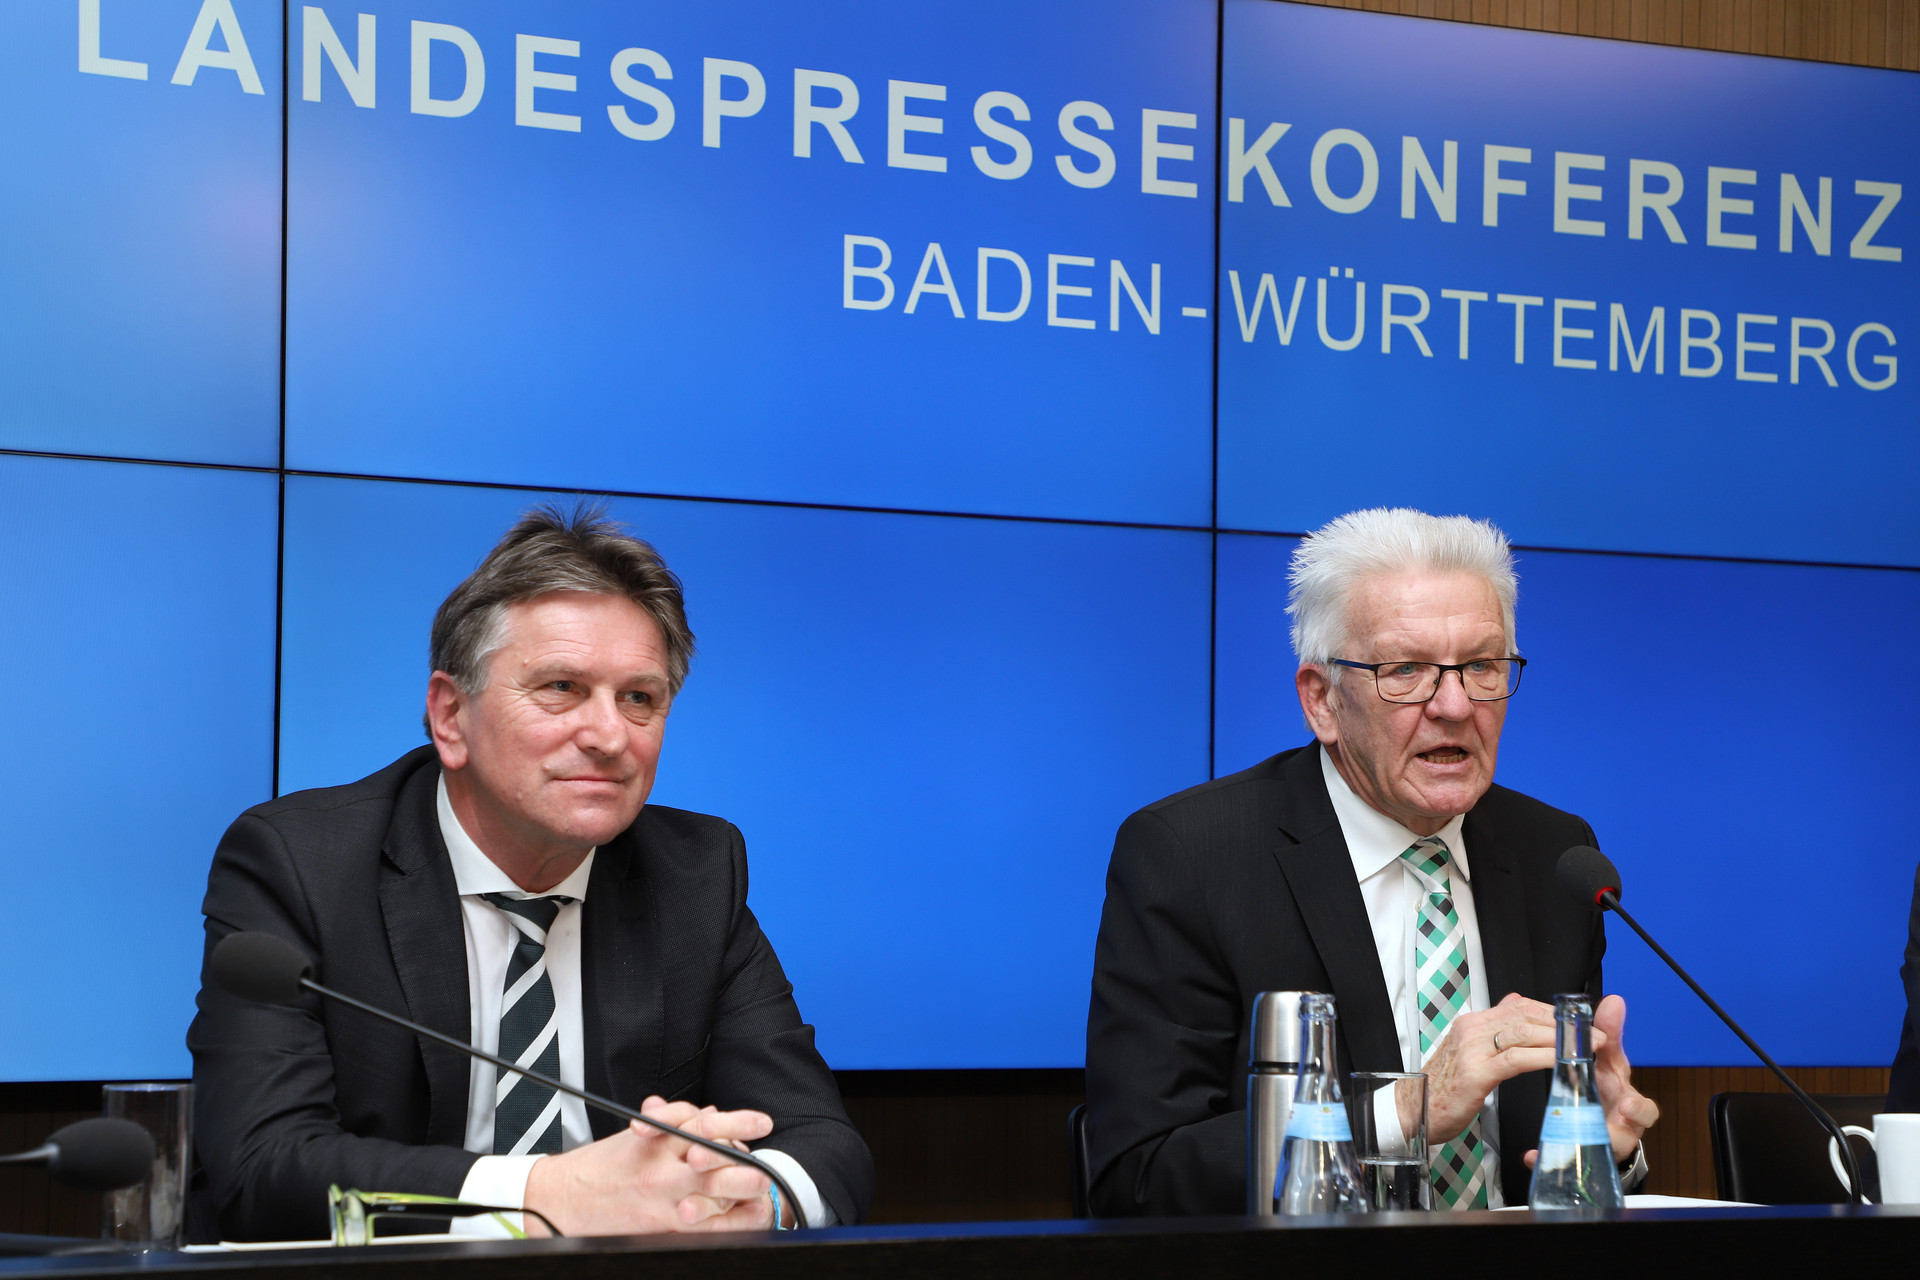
x,y
547,551
1331,562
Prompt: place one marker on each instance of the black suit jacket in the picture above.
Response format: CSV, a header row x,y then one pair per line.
x,y
681,993
1243,885
1903,1088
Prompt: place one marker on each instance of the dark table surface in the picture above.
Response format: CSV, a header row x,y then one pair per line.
x,y
1701,1240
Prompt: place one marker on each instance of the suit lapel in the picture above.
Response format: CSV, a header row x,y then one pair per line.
x,y
1314,859
421,906
623,999
1500,905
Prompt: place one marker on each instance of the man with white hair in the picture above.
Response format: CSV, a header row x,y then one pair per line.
x,y
1378,863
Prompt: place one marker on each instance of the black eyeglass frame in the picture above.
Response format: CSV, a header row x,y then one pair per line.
x,y
1373,669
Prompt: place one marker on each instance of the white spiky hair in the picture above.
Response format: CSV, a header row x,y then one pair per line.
x,y
1332,561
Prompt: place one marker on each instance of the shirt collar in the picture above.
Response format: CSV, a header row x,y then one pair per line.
x,y
1375,841
475,873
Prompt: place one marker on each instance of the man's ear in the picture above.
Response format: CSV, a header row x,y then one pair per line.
x,y
1316,701
446,720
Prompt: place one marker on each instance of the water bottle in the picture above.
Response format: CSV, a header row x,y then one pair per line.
x,y
1273,1065
1318,1172
1576,1168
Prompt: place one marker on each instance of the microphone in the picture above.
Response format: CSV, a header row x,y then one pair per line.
x,y
102,1154
1589,875
266,969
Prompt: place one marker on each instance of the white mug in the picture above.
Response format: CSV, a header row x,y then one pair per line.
x,y
1895,1138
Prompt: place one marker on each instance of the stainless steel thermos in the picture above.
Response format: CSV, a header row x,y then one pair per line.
x,y
1273,1061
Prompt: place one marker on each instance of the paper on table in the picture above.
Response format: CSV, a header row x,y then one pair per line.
x,y
1667,1202
249,1246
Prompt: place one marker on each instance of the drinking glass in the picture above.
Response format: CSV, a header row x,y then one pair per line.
x,y
1395,1177
151,1214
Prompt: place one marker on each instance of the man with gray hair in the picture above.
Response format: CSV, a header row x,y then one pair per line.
x,y
509,885
1379,863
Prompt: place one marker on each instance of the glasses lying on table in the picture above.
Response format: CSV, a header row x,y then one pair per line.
x,y
351,1214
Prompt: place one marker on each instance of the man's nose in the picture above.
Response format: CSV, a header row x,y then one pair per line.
x,y
1450,701
602,729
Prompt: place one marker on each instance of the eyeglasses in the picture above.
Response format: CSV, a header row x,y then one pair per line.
x,y
1484,679
352,1213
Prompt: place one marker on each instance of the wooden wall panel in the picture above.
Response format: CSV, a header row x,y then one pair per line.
x,y
1867,33
1679,1155
967,1146
30,1202
951,1150
959,1146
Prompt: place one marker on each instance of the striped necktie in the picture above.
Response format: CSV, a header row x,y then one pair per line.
x,y
526,1114
1442,985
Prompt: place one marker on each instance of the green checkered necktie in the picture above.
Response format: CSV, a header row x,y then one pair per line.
x,y
1442,985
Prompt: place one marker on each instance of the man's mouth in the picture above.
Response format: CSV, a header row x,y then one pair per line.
x,y
1444,755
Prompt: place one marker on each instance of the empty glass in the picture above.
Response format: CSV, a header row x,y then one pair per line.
x,y
1395,1176
151,1214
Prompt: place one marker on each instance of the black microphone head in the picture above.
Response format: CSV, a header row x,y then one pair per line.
x,y
101,1154
1586,873
258,967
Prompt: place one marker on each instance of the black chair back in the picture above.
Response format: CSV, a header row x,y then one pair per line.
x,y
1082,1167
1768,1150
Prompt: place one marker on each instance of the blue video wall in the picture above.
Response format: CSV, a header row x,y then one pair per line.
x,y
977,368
1653,296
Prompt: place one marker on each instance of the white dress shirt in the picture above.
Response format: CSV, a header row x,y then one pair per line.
x,y
1392,894
491,937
